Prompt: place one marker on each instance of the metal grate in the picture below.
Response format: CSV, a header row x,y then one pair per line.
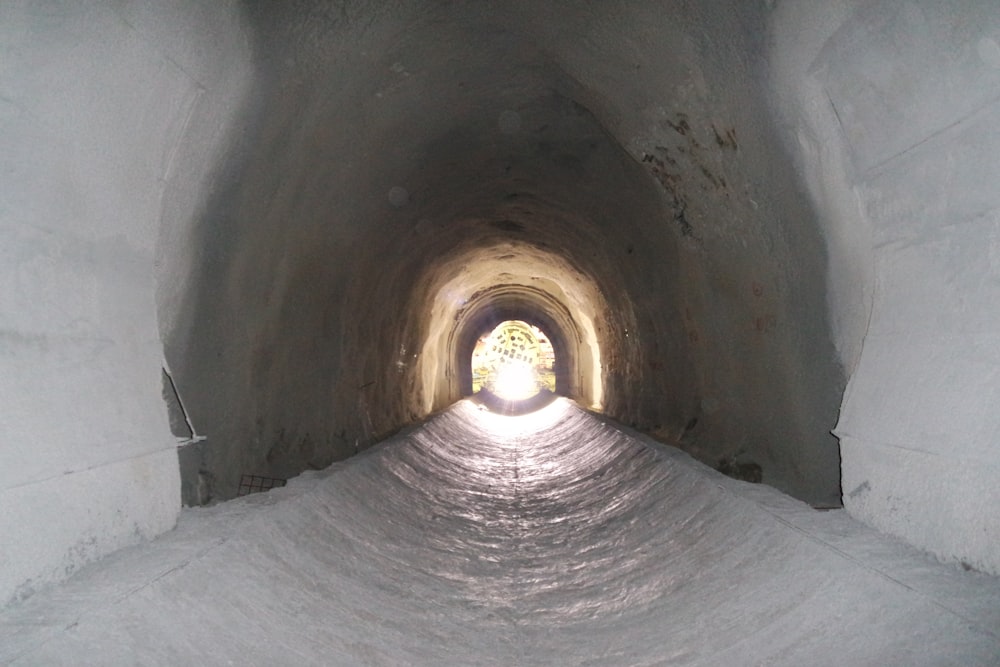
x,y
256,484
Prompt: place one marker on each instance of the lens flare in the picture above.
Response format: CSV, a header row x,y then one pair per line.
x,y
516,382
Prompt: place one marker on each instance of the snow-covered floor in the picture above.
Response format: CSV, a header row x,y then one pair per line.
x,y
548,539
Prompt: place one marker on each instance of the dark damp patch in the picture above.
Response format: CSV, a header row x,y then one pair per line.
x,y
507,225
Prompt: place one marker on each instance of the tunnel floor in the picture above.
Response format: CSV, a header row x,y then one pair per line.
x,y
554,538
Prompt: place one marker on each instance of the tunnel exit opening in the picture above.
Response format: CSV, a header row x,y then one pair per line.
x,y
515,361
513,282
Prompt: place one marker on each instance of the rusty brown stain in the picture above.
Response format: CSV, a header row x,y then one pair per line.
x,y
681,127
671,165
666,155
709,175
726,139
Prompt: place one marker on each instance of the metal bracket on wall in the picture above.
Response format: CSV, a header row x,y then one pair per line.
x,y
178,406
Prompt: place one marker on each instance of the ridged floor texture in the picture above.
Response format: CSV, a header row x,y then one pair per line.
x,y
549,539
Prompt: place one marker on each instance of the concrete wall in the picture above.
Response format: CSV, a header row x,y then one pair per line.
x,y
97,102
295,206
892,111
405,158
683,88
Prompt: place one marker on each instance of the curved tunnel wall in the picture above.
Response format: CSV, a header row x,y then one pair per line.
x,y
357,279
317,189
574,364
890,111
112,117
391,156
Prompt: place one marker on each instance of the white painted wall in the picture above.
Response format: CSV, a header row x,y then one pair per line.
x,y
892,108
104,109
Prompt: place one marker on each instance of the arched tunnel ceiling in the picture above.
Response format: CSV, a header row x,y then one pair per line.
x,y
728,204
572,335
395,161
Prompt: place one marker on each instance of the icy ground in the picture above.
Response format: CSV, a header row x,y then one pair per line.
x,y
548,539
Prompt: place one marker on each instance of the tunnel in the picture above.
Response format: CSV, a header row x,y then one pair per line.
x,y
248,242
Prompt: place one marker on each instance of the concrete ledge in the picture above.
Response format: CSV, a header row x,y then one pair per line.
x,y
52,528
934,502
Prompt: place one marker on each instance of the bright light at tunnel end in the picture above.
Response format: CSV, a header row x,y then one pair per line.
x,y
516,382
525,424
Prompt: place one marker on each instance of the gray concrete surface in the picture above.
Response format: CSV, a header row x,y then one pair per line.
x,y
110,117
765,231
892,116
553,538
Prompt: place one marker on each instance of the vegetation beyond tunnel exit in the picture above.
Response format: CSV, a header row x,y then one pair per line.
x,y
515,361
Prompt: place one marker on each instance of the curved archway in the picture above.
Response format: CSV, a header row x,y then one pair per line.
x,y
538,308
487,286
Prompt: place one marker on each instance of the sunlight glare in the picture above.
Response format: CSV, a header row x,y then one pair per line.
x,y
519,426
516,382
